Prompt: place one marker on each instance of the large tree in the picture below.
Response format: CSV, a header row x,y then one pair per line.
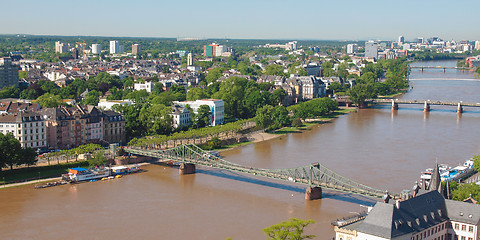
x,y
49,100
289,230
12,154
203,116
361,92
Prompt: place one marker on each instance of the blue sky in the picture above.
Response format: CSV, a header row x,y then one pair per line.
x,y
275,19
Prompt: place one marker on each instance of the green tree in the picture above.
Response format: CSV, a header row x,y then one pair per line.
x,y
337,87
274,69
28,156
10,151
92,98
264,116
280,117
289,230
297,122
476,162
213,75
360,92
49,100
195,93
22,74
98,159
203,116
465,190
278,96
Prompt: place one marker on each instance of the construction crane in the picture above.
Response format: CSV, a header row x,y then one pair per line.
x,y
84,45
402,70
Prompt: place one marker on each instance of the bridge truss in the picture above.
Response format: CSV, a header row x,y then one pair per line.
x,y
314,175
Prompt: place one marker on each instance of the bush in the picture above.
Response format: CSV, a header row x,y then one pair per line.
x,y
297,122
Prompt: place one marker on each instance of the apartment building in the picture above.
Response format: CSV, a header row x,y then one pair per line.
x,y
28,127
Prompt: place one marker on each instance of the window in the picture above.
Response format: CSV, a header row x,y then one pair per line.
x,y
464,227
470,228
470,238
463,238
457,226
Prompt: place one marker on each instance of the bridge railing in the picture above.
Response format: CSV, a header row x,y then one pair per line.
x,y
312,175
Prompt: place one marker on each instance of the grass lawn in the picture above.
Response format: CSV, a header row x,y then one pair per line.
x,y
318,120
30,173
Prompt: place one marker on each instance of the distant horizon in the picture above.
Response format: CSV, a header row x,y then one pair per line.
x,y
249,19
223,38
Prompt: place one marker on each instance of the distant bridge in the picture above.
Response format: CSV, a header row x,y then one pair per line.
x,y
426,103
316,176
440,67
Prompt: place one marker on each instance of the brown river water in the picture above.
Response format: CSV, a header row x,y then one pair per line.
x,y
373,146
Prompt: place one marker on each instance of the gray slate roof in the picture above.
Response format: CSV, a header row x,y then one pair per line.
x,y
463,211
413,215
416,214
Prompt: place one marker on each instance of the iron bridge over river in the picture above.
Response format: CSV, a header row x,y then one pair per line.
x,y
316,176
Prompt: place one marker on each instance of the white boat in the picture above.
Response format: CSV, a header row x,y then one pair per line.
x,y
427,174
79,174
447,173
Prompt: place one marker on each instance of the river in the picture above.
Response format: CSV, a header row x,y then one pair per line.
x,y
374,146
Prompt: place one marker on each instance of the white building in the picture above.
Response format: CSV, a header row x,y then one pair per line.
x,y
107,105
148,86
55,76
28,127
401,40
189,59
96,48
217,108
115,47
60,47
181,116
477,45
219,50
371,49
292,46
352,48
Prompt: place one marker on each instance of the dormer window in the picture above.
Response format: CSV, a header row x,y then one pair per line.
x,y
461,213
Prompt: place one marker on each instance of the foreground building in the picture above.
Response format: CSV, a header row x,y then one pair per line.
x,y
423,217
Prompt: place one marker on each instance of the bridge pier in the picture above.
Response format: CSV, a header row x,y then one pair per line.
x,y
426,107
313,193
421,70
394,105
459,108
443,69
186,168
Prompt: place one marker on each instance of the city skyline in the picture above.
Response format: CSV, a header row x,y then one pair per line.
x,y
333,20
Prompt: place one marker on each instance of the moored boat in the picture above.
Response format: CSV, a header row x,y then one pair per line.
x,y
79,174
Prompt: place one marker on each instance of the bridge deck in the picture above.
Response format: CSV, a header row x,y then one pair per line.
x,y
312,175
448,103
440,67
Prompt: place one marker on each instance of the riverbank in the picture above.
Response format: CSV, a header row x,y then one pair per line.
x,y
261,136
45,180
255,137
